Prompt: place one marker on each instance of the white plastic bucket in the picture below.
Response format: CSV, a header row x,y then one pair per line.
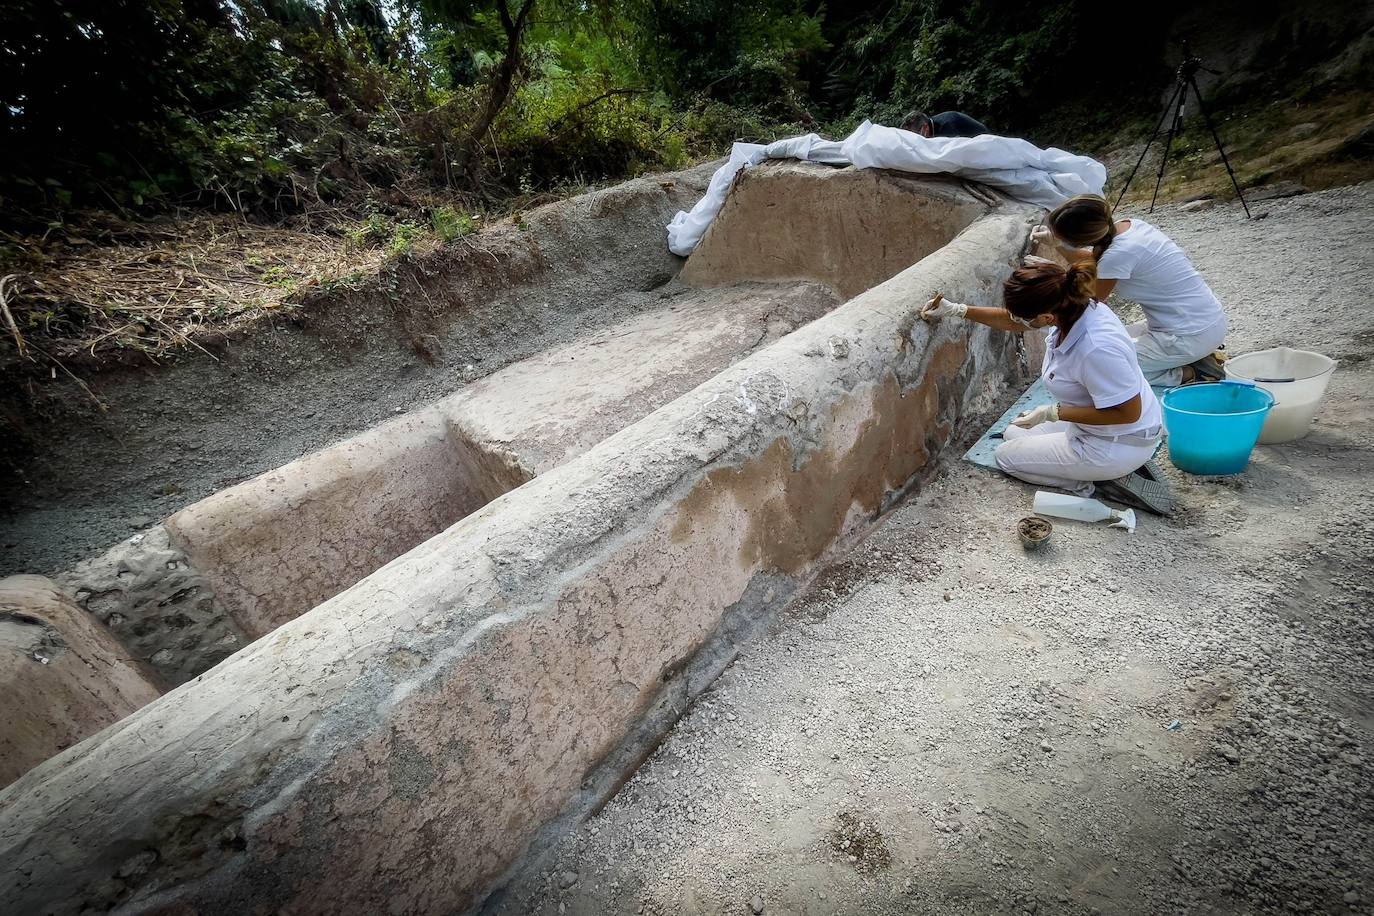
x,y
1296,378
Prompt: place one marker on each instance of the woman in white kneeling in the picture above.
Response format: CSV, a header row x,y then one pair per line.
x,y
1106,423
1184,323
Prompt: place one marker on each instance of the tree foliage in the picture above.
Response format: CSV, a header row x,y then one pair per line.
x,y
1007,62
281,105
748,54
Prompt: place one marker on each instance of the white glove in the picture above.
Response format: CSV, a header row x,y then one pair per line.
x,y
1045,413
1044,235
1034,260
940,307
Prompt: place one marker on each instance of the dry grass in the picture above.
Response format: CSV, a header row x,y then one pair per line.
x,y
99,285
155,286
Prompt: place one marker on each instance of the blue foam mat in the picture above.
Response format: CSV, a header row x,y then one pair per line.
x,y
1035,396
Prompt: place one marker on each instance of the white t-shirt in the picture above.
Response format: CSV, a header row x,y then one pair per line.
x,y
1096,366
1155,272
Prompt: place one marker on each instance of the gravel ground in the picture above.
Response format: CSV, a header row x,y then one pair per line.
x,y
1177,720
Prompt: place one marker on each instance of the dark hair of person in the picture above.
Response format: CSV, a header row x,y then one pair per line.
x,y
914,121
1085,221
1050,289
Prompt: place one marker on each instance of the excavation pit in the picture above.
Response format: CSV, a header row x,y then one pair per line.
x,y
228,569
565,567
267,550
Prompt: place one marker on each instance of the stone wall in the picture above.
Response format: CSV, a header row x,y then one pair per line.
x,y
63,677
850,229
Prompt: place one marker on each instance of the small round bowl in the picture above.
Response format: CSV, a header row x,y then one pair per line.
x,y
1033,531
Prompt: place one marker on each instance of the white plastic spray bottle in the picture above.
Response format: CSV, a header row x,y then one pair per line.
x,y
1080,509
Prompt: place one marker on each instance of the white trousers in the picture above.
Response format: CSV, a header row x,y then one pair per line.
x,y
1060,455
1162,356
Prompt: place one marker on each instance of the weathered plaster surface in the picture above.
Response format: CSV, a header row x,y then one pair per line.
x,y
283,542
850,229
398,748
553,407
236,565
63,677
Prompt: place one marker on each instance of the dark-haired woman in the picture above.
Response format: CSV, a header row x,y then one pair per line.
x,y
1184,323
1105,422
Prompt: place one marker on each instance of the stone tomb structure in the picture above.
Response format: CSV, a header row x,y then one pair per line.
x,y
457,632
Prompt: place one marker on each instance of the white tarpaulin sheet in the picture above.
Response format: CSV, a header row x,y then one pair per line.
x,y
1023,170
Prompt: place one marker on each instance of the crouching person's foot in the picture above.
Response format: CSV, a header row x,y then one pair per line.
x,y
1140,489
1207,369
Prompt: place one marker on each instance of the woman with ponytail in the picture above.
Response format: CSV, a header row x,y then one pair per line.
x,y
1105,423
1184,323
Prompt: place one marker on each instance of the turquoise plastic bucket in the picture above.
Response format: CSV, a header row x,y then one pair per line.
x,y
1213,428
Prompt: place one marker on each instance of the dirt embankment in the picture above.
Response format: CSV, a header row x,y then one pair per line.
x,y
88,462
1288,89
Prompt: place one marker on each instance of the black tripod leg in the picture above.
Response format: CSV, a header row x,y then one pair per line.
x,y
1158,127
1168,144
1220,149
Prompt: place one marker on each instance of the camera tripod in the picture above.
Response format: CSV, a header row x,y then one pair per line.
x,y
1186,79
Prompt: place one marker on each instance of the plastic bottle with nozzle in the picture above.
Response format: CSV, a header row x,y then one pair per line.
x,y
1078,508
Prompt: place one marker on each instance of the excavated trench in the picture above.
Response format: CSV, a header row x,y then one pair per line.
x,y
548,560
79,478
230,568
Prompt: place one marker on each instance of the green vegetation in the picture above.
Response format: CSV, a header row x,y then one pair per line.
x,y
448,224
285,106
175,166
281,106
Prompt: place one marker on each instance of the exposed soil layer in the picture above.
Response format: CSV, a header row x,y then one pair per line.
x,y
1172,721
81,479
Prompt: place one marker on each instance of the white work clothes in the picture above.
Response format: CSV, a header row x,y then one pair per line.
x,y
1059,455
1151,270
1095,366
1162,355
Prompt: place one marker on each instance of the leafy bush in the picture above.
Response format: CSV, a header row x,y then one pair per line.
x,y
449,224
135,103
1007,63
403,238
373,231
365,106
279,105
